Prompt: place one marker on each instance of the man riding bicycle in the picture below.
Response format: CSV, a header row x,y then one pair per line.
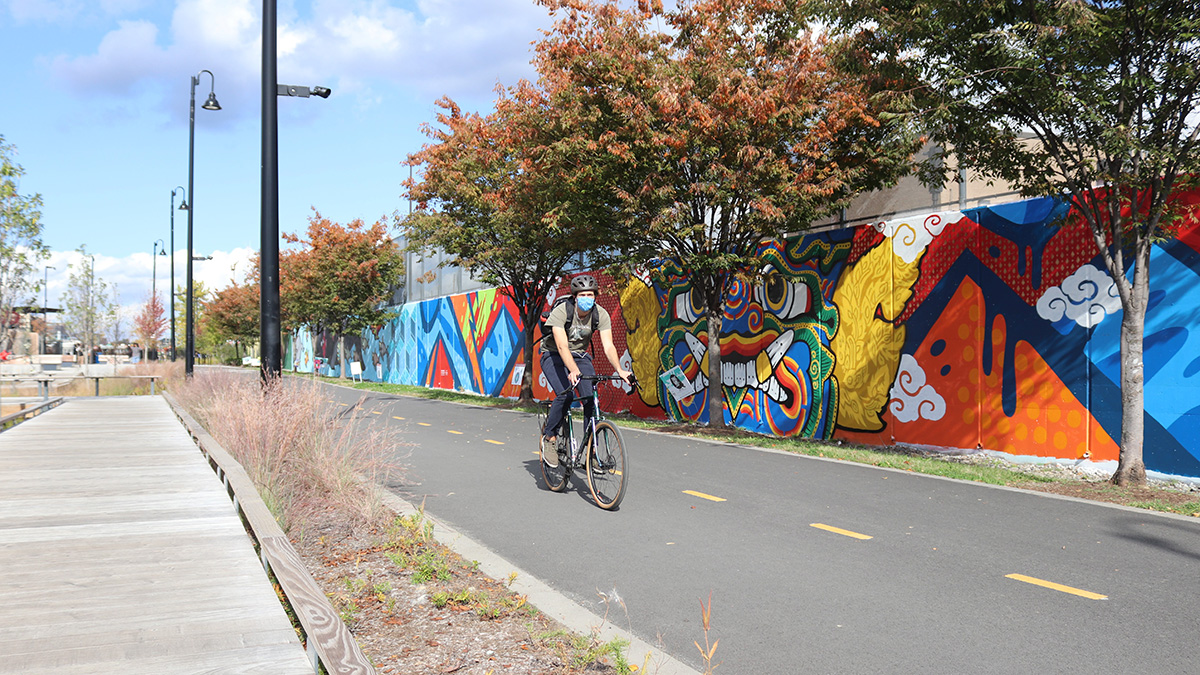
x,y
565,360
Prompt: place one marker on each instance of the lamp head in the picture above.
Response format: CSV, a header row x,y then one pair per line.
x,y
323,92
211,103
184,206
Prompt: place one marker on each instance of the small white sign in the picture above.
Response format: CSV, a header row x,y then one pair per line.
x,y
518,374
676,383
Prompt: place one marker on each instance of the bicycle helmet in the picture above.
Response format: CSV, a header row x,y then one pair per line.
x,y
584,282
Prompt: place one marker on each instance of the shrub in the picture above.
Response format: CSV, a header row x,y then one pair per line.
x,y
303,457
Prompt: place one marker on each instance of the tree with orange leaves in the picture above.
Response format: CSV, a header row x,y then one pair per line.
x,y
717,124
497,197
340,278
150,322
233,314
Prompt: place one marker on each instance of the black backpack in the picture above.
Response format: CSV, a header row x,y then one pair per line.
x,y
570,302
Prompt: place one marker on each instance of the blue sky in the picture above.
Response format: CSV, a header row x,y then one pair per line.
x,y
96,103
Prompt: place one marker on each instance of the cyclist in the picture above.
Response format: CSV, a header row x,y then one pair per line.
x,y
565,360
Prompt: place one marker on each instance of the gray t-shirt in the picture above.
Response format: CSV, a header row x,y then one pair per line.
x,y
580,331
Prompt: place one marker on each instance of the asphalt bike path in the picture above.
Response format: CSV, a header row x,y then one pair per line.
x,y
813,565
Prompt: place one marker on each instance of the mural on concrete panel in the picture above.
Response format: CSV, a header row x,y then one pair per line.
x,y
988,328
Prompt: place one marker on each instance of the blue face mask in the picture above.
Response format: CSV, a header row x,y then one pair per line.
x,y
585,304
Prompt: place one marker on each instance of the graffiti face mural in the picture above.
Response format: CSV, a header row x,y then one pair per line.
x,y
993,328
776,362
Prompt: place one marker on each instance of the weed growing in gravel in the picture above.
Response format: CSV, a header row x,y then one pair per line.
x,y
429,565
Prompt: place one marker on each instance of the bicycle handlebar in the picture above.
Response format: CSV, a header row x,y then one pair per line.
x,y
597,378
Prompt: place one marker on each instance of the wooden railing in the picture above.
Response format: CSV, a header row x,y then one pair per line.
x,y
44,381
329,643
14,418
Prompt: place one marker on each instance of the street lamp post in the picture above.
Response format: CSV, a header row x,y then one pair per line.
x,y
270,339
210,104
91,333
154,267
45,302
182,207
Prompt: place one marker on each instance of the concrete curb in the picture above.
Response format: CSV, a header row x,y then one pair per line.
x,y
550,602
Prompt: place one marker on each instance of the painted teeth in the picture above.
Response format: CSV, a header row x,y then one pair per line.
x,y
757,374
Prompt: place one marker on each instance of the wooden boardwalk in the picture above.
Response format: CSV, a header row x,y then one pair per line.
x,y
121,552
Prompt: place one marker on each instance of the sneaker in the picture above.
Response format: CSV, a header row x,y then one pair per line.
x,y
549,453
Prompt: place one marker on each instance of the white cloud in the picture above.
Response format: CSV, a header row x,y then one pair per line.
x,y
455,47
134,274
912,398
1085,297
911,236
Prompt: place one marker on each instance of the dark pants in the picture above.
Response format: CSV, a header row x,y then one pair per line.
x,y
556,376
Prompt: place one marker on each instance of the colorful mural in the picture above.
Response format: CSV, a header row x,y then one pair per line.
x,y
989,328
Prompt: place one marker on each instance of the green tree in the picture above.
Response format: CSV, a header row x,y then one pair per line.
x,y
719,123
89,303
340,278
201,294
1091,100
21,248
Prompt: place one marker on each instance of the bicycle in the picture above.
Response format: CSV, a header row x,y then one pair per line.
x,y
604,460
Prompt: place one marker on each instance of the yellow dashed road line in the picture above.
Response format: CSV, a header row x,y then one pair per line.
x,y
488,440
376,412
838,530
1057,587
425,424
397,418
703,496
451,431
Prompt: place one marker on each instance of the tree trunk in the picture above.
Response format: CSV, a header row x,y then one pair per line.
x,y
341,347
527,379
716,395
1131,469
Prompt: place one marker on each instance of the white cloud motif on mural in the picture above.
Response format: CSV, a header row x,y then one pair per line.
x,y
1085,297
912,398
910,237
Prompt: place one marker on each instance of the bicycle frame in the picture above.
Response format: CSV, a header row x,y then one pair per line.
x,y
597,449
576,446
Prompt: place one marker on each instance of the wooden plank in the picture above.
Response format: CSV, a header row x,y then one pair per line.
x,y
324,630
322,625
121,552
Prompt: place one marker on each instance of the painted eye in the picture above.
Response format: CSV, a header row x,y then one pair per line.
x,y
784,298
686,309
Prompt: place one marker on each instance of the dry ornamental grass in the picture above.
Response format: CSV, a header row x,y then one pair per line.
x,y
413,605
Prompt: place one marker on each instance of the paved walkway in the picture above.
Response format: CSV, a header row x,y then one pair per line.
x,y
121,552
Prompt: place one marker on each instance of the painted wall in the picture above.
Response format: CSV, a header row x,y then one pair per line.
x,y
986,328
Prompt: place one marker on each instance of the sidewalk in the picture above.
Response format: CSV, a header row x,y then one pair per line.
x,y
121,552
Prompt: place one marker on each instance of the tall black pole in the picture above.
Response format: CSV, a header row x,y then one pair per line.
x,y
188,339
269,320
189,328
178,187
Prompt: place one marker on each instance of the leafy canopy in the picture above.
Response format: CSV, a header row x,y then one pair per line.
x,y
21,247
340,277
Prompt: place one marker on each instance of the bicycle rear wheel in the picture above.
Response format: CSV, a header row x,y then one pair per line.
x,y
607,472
555,476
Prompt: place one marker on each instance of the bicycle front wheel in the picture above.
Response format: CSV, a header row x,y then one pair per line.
x,y
607,472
